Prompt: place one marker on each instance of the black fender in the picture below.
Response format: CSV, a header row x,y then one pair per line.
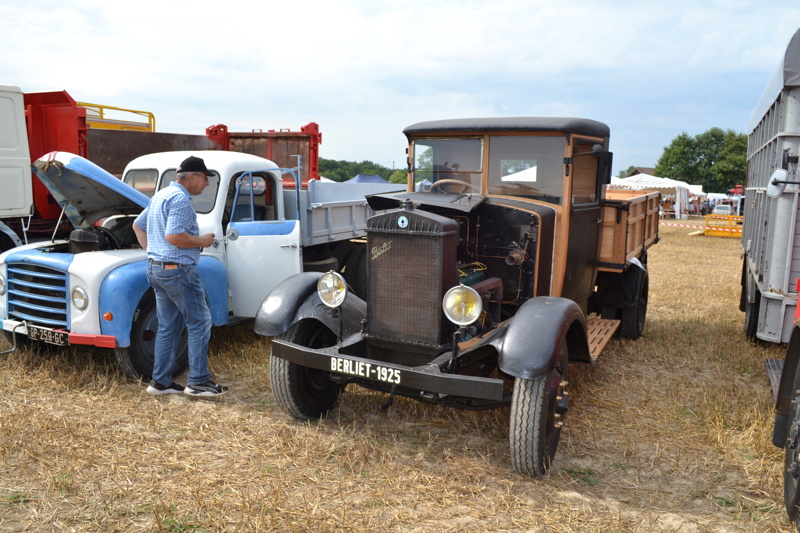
x,y
529,343
296,298
786,390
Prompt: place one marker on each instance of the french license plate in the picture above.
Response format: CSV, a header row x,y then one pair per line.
x,y
60,338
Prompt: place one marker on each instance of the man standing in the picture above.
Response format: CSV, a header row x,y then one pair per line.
x,y
168,230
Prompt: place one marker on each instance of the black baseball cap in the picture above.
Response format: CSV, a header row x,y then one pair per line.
x,y
194,164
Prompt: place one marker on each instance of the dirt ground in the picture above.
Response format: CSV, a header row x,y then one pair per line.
x,y
669,433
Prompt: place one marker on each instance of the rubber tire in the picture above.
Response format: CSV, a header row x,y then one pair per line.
x,y
532,433
791,485
634,317
305,393
136,361
355,272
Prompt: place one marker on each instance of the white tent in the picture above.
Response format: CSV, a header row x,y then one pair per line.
x,y
679,189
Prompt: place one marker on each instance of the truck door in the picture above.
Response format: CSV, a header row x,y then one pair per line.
x,y
267,250
15,159
585,222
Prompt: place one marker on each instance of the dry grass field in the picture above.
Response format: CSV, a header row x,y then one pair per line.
x,y
670,433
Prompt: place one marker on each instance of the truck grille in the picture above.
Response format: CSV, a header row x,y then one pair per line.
x,y
37,294
412,263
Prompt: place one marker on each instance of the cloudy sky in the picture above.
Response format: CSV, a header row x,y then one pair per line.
x,y
365,69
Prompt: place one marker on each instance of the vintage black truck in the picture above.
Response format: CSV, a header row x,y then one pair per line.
x,y
505,260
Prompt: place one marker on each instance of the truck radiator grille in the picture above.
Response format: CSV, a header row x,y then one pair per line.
x,y
37,294
411,265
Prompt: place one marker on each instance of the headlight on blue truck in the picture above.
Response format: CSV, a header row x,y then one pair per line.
x,y
79,298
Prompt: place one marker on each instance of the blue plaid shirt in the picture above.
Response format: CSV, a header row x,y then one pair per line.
x,y
170,212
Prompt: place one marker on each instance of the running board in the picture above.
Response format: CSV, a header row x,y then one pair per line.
x,y
774,369
599,331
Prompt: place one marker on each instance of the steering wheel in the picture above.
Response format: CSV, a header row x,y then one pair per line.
x,y
110,238
467,185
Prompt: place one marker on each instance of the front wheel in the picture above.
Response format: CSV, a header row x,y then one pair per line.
x,y
137,359
537,407
305,393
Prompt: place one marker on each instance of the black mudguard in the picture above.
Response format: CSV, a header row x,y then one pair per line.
x,y
296,298
530,345
786,390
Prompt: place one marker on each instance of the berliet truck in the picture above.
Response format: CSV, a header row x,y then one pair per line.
x,y
503,261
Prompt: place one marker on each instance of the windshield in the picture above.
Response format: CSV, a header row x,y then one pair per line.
x,y
532,167
457,160
527,166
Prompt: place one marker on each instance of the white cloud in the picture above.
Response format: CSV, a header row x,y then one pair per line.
x,y
364,69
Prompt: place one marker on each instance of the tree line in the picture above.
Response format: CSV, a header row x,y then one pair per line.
x,y
339,170
715,159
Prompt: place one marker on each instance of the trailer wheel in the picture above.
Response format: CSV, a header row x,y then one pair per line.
x,y
633,318
305,393
137,359
791,471
537,407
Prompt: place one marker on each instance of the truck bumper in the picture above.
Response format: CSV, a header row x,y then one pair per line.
x,y
421,381
85,339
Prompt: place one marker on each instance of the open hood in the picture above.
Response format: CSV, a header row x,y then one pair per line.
x,y
88,192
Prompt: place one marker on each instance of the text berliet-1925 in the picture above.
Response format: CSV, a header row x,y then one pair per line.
x,y
505,260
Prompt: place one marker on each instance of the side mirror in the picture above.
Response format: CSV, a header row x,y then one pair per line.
x,y
777,183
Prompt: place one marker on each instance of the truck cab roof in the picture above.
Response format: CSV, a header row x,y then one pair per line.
x,y
580,126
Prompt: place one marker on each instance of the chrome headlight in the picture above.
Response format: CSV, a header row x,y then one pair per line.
x,y
462,305
2,285
332,289
79,298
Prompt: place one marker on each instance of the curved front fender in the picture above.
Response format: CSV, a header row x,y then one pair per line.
x,y
530,342
120,293
124,287
296,298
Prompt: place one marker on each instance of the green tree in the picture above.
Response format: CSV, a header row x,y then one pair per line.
x,y
398,176
340,170
626,172
715,159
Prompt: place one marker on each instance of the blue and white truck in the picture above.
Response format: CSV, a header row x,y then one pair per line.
x,y
91,288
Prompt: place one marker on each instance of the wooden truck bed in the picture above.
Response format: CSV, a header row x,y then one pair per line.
x,y
630,225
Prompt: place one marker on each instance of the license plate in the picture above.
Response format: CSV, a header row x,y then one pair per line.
x,y
366,370
60,338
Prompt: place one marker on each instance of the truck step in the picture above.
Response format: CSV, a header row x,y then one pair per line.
x,y
774,369
600,331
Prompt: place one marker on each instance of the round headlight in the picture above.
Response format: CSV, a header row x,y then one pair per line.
x,y
462,305
332,289
79,298
2,285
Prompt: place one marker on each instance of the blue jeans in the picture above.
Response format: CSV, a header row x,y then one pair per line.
x,y
180,302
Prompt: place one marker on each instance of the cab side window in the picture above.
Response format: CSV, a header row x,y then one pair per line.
x,y
255,200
